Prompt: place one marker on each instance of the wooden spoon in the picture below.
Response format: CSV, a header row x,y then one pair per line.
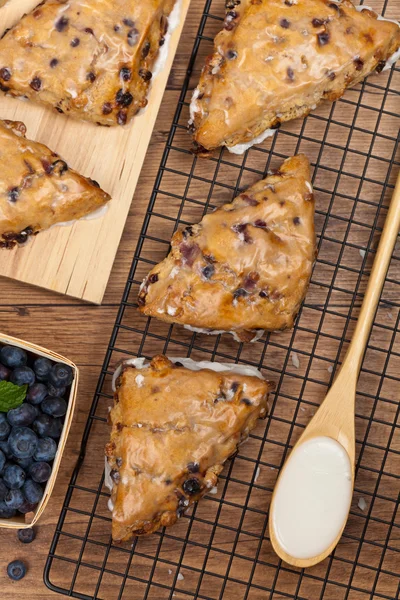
x,y
335,417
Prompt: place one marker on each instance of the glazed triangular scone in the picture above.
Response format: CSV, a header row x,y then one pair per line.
x,y
37,188
246,266
275,60
92,59
173,427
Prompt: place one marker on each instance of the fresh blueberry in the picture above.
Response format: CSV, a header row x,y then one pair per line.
x,y
4,373
14,477
47,426
16,570
4,427
54,391
22,416
53,406
22,376
37,393
13,357
40,472
61,375
46,450
56,428
27,507
5,448
26,536
14,499
3,490
2,460
5,512
42,424
23,442
42,367
24,463
33,492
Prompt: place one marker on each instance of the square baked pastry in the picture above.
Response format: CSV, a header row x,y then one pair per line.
x,y
92,59
37,188
174,424
275,60
245,267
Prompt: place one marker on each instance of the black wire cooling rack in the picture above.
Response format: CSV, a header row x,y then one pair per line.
x,y
221,550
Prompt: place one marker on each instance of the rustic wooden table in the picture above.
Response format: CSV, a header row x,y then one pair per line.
x,y
82,332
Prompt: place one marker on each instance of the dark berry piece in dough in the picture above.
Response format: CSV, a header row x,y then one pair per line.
x,y
145,50
317,22
323,38
54,63
145,74
358,63
192,486
122,117
5,74
153,278
91,76
231,54
124,98
75,42
296,220
107,108
36,84
13,194
193,467
125,74
246,401
284,23
62,23
260,223
208,271
128,22
290,73
89,30
133,36
239,293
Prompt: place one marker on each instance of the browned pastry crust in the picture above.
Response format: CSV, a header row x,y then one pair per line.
x,y
92,59
244,267
37,188
275,60
172,431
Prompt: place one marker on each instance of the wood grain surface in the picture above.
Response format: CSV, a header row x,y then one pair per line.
x,y
81,332
76,260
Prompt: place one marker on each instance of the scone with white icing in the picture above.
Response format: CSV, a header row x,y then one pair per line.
x,y
173,428
276,60
246,266
37,188
92,59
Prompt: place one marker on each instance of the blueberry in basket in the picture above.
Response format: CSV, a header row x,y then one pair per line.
x,y
34,393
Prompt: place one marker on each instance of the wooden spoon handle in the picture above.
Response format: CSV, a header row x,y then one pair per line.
x,y
376,281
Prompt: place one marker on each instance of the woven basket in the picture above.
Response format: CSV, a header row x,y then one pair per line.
x,y
25,521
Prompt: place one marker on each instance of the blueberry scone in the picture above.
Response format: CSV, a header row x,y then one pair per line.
x,y
246,266
173,428
275,60
37,188
91,59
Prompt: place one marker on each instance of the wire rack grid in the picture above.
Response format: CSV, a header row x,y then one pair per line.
x,y
221,549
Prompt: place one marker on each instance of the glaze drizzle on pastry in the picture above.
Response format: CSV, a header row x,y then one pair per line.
x,y
173,428
92,59
246,266
275,61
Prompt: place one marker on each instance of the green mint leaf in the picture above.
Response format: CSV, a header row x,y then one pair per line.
x,y
11,395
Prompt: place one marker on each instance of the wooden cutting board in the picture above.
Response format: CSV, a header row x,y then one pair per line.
x,y
77,260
